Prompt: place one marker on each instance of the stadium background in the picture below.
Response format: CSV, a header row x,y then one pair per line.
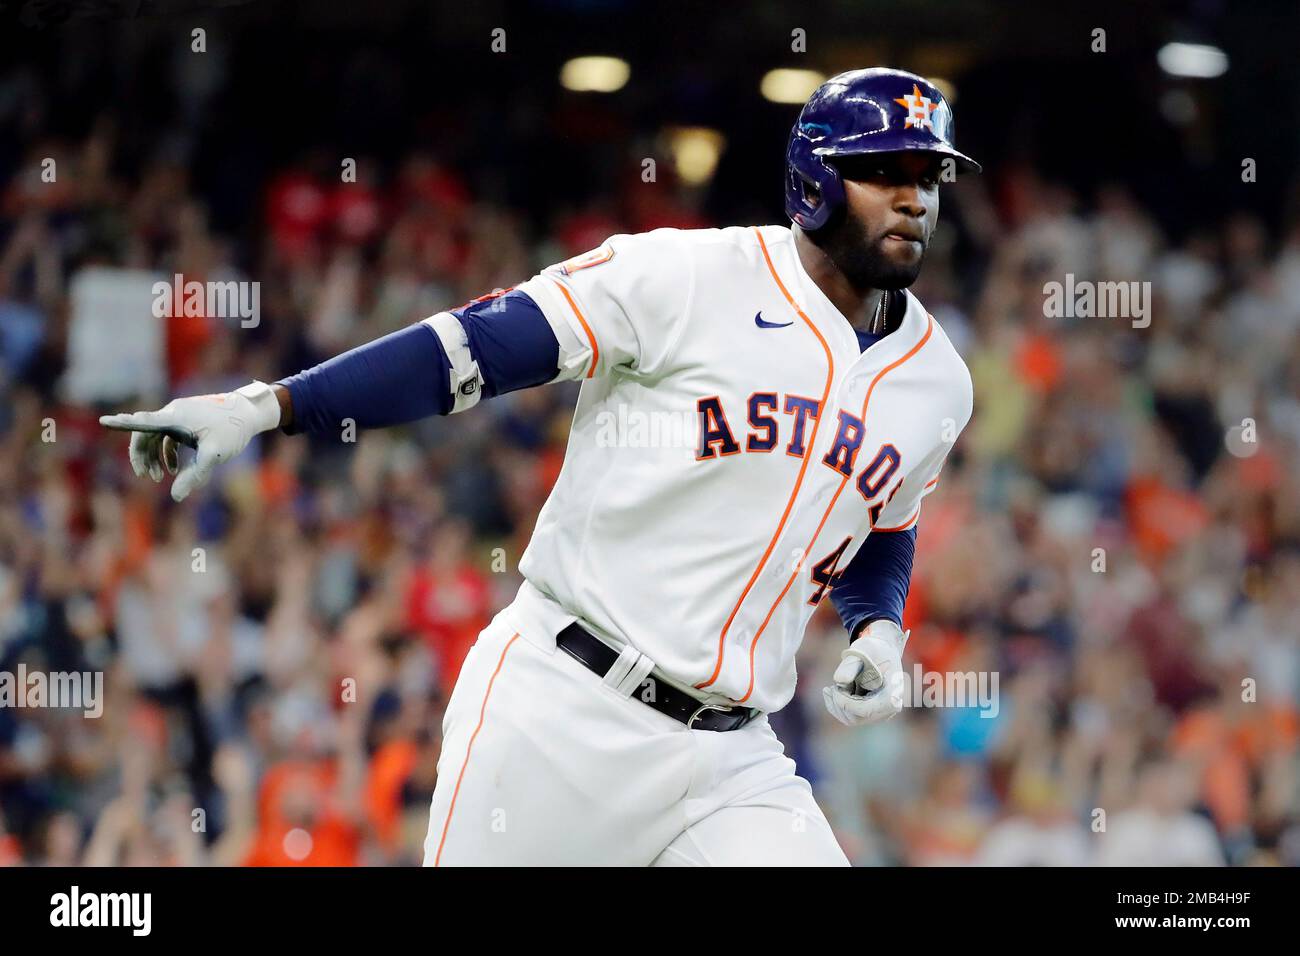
x,y
373,560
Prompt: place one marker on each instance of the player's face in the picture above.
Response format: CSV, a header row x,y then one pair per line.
x,y
893,203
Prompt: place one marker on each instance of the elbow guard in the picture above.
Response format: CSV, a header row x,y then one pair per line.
x,y
497,344
465,379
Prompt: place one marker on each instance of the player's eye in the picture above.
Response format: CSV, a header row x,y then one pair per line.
x,y
887,172
864,170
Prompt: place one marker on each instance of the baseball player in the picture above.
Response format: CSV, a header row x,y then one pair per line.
x,y
616,711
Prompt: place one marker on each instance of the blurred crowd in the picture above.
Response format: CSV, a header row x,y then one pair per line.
x,y
1115,537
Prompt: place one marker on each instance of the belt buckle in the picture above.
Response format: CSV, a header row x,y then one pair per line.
x,y
708,705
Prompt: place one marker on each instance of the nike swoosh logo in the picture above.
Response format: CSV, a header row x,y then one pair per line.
x,y
762,323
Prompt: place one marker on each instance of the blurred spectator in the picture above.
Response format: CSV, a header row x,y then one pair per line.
x,y
1160,830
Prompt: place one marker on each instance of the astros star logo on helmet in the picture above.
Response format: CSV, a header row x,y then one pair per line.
x,y
919,108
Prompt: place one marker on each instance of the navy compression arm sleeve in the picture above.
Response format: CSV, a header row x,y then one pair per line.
x,y
395,379
405,376
875,583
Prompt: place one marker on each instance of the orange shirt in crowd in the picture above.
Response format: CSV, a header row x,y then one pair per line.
x,y
1162,517
1038,361
187,337
299,821
388,772
1227,750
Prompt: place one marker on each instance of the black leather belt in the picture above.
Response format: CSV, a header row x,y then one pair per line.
x,y
598,657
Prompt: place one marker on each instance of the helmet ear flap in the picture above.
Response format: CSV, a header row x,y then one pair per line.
x,y
814,191
832,189
829,190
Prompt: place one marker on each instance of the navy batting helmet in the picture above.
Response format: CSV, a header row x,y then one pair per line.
x,y
862,111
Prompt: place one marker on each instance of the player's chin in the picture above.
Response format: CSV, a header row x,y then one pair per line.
x,y
900,258
899,275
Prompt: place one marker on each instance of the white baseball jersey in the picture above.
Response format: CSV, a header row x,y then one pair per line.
x,y
731,449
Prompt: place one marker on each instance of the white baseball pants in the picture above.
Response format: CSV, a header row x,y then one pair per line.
x,y
543,763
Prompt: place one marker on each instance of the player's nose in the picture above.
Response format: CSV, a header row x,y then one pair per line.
x,y
909,200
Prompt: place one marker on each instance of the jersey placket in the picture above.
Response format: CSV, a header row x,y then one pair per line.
x,y
815,516
813,509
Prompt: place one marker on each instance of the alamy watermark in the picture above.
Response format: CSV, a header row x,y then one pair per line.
x,y
1085,299
930,689
633,428
71,690
215,300
133,911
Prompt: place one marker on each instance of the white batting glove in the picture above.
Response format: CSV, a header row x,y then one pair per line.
x,y
218,427
868,684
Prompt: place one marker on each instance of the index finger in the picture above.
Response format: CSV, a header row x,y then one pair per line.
x,y
155,422
134,421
